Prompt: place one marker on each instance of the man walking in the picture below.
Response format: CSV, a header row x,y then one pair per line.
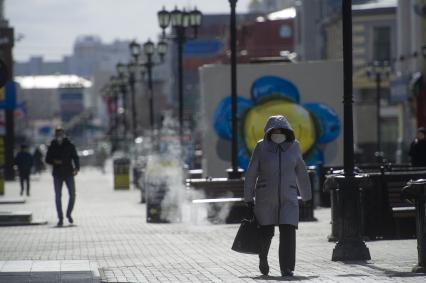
x,y
62,155
24,162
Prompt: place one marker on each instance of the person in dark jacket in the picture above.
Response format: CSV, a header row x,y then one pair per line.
x,y
418,149
24,162
38,160
62,155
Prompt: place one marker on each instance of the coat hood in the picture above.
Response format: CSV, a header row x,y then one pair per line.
x,y
279,122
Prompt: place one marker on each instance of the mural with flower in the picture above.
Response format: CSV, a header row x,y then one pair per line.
x,y
315,124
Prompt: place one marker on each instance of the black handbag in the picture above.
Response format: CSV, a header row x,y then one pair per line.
x,y
247,239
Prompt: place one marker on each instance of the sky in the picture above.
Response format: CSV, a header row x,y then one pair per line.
x,y
49,28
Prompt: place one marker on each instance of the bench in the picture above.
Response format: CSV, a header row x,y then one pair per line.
x,y
403,212
384,213
221,192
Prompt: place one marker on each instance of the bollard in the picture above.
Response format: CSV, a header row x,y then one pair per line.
x,y
331,186
415,191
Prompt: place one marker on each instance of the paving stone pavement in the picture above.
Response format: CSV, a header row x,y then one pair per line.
x,y
112,237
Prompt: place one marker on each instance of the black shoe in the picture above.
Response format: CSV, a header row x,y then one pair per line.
x,y
70,220
263,266
60,223
286,272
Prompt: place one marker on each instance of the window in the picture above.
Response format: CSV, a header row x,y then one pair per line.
x,y
381,44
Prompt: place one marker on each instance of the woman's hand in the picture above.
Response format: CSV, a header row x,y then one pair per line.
x,y
250,210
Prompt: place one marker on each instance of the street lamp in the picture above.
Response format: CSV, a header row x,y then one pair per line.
x,y
350,245
131,70
111,94
235,172
377,70
121,82
135,50
150,50
180,21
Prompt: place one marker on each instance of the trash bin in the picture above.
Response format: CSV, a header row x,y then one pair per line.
x,y
155,196
121,174
1,181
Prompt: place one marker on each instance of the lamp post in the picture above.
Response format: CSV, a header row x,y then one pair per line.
x,y
349,245
377,70
235,172
180,21
135,49
150,49
121,82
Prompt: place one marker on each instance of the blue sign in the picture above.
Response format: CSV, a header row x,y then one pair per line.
x,y
399,90
8,96
203,47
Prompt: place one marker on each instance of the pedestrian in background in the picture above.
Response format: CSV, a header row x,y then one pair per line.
x,y
418,149
38,160
62,155
275,173
24,162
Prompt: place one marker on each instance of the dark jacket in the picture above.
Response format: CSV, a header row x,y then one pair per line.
x,y
24,161
418,153
67,154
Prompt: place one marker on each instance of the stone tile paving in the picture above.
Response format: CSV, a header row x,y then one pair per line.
x,y
111,233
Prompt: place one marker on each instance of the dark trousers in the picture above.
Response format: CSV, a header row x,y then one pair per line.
x,y
25,178
58,182
287,249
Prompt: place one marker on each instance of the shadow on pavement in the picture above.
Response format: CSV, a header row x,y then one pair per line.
x,y
387,272
44,277
280,278
64,226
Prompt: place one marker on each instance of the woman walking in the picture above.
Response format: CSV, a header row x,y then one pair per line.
x,y
275,173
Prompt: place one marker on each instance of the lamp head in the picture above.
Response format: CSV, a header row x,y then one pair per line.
x,y
121,68
176,17
148,48
135,49
196,17
163,18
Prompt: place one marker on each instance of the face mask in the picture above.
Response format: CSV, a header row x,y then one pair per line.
x,y
278,138
60,139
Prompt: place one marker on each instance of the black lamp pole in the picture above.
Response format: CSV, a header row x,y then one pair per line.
x,y
115,115
234,172
350,245
149,66
135,50
377,70
379,138
180,41
132,82
124,103
348,136
150,49
122,86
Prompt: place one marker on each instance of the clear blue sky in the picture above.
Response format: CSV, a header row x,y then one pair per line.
x,y
49,27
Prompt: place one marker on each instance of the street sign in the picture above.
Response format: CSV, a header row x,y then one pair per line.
x,y
398,90
8,96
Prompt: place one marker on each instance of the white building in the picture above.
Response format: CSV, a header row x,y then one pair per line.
x,y
51,101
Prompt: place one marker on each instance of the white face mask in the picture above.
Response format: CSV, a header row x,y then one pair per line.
x,y
278,138
60,139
